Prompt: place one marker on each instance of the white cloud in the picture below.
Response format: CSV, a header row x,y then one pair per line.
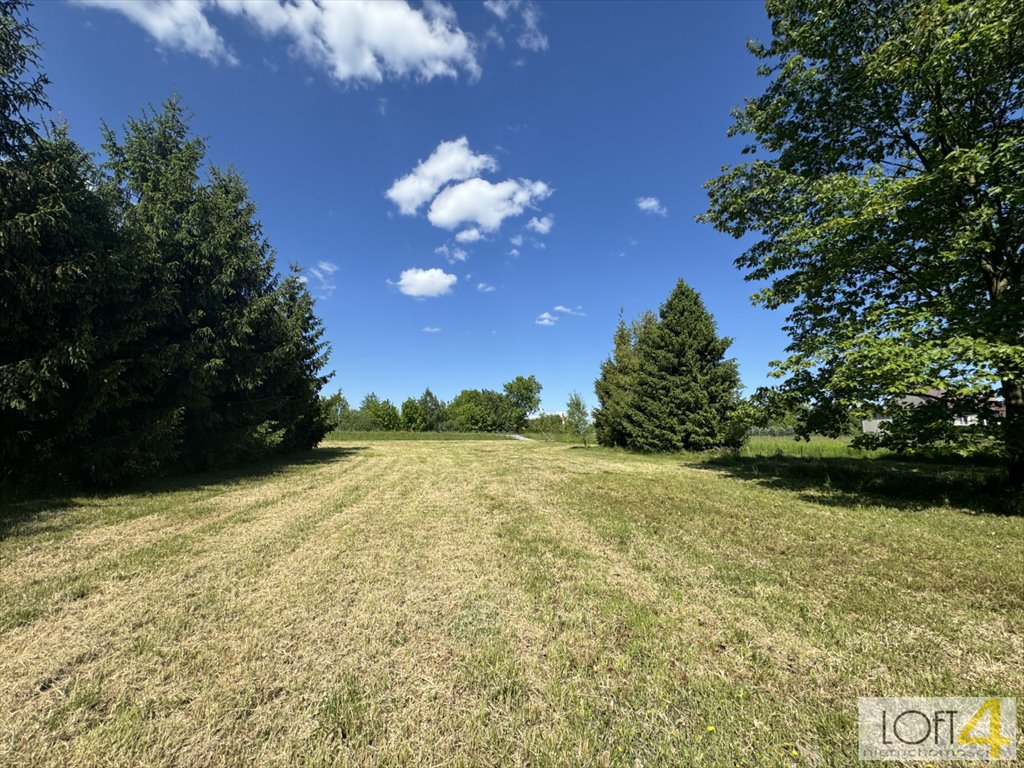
x,y
364,40
514,253
531,37
430,329
546,318
494,35
516,240
425,283
176,24
357,40
569,311
484,204
651,205
485,288
500,8
451,161
542,225
324,274
469,235
453,255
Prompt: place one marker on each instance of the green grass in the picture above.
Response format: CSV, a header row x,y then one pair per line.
x,y
397,603
815,448
560,437
343,436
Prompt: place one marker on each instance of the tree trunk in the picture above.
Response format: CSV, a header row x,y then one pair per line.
x,y
1013,397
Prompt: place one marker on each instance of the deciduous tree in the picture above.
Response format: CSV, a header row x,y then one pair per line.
x,y
577,418
523,395
887,202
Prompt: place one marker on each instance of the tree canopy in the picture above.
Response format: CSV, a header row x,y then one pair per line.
x,y
886,193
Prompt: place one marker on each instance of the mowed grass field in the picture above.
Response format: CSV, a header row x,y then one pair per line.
x,y
397,603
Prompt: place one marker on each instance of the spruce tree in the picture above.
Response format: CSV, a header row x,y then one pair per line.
x,y
143,325
684,390
296,374
62,307
614,388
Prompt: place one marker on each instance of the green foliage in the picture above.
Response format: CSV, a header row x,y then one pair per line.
x,y
738,426
376,414
387,418
938,425
22,85
615,386
523,396
433,411
69,322
577,418
336,410
889,206
546,423
668,386
293,377
412,416
478,410
144,326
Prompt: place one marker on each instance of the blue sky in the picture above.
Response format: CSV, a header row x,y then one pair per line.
x,y
599,123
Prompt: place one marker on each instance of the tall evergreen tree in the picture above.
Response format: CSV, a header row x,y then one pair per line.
x,y
155,169
235,355
297,372
143,326
62,307
684,389
667,385
614,388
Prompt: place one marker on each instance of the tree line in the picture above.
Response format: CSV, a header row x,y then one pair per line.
x,y
144,325
472,410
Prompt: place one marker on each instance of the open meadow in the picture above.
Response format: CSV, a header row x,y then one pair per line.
x,y
470,603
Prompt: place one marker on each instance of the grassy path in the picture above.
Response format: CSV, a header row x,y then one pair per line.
x,y
488,603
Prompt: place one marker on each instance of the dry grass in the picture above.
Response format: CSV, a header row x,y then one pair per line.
x,y
489,603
